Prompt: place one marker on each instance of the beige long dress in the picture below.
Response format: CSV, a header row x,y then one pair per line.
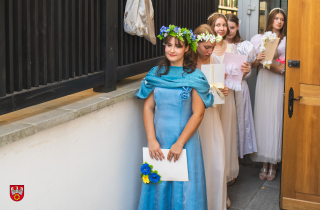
x,y
213,150
228,118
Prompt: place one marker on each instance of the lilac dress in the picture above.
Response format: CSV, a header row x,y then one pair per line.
x,y
246,136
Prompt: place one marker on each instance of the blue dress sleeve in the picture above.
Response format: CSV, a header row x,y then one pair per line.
x,y
146,88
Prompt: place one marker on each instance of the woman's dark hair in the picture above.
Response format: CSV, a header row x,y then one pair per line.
x,y
233,18
188,65
271,17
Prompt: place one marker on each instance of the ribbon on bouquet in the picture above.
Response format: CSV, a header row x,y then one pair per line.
x,y
216,86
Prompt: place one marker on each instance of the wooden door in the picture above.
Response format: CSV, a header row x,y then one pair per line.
x,y
300,181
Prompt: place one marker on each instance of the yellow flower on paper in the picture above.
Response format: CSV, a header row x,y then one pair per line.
x,y
145,179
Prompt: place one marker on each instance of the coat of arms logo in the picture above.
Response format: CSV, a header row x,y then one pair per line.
x,y
16,192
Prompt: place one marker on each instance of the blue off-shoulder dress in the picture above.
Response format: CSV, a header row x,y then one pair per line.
x,y
172,111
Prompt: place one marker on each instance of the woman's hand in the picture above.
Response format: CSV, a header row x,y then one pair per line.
x,y
224,91
175,152
261,56
155,150
245,68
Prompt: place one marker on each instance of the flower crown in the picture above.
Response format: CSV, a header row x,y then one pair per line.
x,y
209,37
276,9
179,33
217,13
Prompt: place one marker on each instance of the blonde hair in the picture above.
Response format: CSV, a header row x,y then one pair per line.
x,y
202,29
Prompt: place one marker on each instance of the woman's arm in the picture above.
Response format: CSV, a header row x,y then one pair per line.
x,y
245,68
148,116
260,57
277,68
198,109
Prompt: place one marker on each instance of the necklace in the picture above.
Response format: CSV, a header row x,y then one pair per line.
x,y
220,50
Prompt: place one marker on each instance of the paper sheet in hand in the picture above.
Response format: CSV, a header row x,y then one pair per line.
x,y
270,50
169,171
233,64
215,73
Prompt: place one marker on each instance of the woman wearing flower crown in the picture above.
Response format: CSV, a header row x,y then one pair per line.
x,y
245,126
176,94
268,108
210,129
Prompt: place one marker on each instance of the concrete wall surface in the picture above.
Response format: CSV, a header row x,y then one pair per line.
x,y
89,163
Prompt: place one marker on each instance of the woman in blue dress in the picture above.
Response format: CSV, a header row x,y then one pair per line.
x,y
176,94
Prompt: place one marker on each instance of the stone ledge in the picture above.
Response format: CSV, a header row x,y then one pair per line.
x,y
23,123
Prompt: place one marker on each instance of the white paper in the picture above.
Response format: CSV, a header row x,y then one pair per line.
x,y
169,171
215,73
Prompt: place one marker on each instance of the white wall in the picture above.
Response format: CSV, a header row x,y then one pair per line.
x,y
91,162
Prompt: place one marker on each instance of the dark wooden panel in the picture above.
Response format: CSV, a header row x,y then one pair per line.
x,y
66,40
109,44
97,35
2,49
137,68
59,37
85,36
49,92
80,35
18,50
121,34
9,47
43,42
35,43
51,41
27,46
74,39
91,37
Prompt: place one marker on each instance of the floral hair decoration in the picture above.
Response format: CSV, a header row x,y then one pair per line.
x,y
209,37
217,13
179,33
148,175
276,9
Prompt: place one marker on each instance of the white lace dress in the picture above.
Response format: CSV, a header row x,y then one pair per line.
x,y
213,150
228,118
268,109
246,137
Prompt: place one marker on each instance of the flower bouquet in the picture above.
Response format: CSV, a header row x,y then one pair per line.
x,y
148,175
268,46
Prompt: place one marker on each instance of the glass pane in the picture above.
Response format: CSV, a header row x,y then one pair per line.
x,y
263,11
265,7
228,6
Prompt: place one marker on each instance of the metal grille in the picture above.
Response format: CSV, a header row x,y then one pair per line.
x,y
48,41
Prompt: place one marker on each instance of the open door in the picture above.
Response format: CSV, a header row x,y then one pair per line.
x,y
300,181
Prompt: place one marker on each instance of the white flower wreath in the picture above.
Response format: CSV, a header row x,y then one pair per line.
x,y
209,37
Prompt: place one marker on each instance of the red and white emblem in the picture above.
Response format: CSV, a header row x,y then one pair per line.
x,y
16,192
